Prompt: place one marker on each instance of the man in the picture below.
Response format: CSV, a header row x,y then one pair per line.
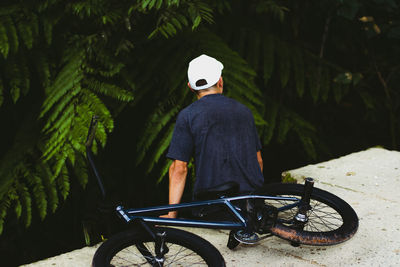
x,y
219,132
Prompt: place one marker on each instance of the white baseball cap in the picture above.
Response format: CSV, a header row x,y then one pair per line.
x,y
204,68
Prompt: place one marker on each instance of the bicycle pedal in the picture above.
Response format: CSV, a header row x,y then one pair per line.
x,y
246,238
232,242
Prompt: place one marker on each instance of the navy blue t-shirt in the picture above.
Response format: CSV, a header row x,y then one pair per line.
x,y
221,135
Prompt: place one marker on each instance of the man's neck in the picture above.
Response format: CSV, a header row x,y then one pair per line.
x,y
200,94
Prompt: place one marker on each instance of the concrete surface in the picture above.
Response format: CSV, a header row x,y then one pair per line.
x,y
369,181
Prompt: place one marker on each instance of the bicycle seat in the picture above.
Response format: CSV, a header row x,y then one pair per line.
x,y
223,190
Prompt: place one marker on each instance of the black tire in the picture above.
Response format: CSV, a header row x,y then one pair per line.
x,y
192,249
330,221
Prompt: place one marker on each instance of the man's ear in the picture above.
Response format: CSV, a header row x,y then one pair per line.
x,y
191,89
220,83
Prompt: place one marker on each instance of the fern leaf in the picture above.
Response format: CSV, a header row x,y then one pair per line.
x,y
68,77
47,30
81,171
15,93
284,126
24,76
284,63
4,45
39,194
25,197
268,57
49,186
159,4
43,69
244,88
70,152
313,77
161,147
62,111
177,23
58,166
368,99
63,182
26,34
145,3
34,23
101,136
254,52
298,71
325,84
271,118
157,122
164,170
307,144
151,4
113,69
16,79
97,107
4,205
1,92
57,139
52,99
109,90
11,34
18,208
300,122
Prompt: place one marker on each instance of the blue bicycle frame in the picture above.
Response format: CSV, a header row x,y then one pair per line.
x,y
130,215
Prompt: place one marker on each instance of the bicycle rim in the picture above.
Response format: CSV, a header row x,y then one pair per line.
x,y
136,248
142,254
330,219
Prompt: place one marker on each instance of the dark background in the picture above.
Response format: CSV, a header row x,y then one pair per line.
x,y
341,98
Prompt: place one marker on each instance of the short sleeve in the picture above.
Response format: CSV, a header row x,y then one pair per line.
x,y
181,147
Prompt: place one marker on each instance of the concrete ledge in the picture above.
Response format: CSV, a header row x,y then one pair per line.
x,y
369,181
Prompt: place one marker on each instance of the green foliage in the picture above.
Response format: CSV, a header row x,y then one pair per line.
x,y
61,62
70,59
49,60
287,178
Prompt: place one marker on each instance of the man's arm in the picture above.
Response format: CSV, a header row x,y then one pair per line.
x,y
177,179
260,160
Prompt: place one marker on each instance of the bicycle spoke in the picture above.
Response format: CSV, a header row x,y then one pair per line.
x,y
188,254
174,257
127,255
145,252
321,217
177,256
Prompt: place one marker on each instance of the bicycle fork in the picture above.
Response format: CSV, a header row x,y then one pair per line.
x,y
301,217
160,247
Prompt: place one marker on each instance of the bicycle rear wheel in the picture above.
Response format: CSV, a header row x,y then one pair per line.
x,y
330,220
137,248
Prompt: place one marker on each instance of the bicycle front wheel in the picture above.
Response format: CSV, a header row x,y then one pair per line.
x,y
137,248
330,219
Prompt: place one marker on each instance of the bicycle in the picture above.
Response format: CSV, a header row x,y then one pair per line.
x,y
301,214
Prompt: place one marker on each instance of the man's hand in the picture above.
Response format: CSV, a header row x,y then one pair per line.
x,y
171,215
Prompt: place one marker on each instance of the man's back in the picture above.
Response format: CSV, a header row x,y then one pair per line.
x,y
224,142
